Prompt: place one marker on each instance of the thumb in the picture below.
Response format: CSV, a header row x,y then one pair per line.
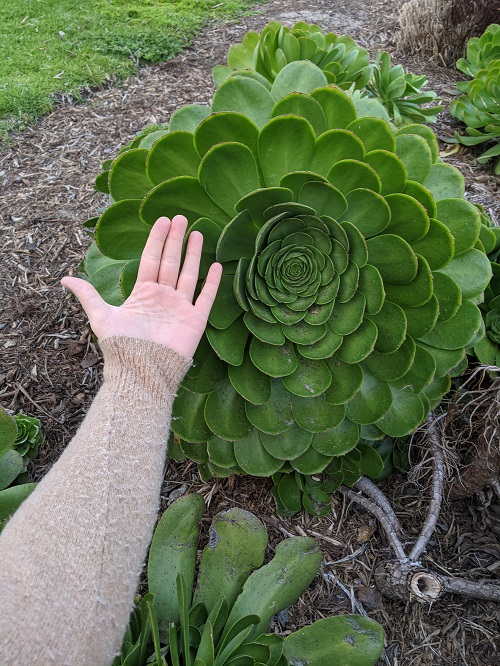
x,y
88,296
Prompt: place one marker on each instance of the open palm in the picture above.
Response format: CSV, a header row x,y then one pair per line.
x,y
160,307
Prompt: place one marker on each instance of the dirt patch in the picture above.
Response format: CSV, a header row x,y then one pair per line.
x,y
50,367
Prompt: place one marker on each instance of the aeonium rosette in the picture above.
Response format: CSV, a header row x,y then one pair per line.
x,y
352,268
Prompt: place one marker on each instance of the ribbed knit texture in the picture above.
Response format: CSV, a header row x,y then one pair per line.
x,y
71,556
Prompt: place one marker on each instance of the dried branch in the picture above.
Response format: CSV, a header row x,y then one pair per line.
x,y
379,513
437,491
369,488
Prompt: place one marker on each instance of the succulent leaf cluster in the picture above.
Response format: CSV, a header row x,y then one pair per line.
x,y
18,437
401,93
222,620
479,106
352,269
481,52
343,61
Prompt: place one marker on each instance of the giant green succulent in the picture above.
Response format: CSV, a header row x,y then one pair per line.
x,y
481,51
343,62
351,273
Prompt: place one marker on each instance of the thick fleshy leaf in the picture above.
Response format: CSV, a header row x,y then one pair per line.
x,y
253,458
437,246
371,402
316,414
390,170
426,133
299,76
405,414
348,175
181,196
463,220
324,198
324,348
311,378
11,498
188,117
444,359
445,182
207,371
211,233
420,374
11,465
393,257
305,106
173,155
368,211
237,545
448,294
338,109
356,346
353,639
120,232
173,552
459,331
391,325
229,343
226,308
370,284
416,155
261,200
287,445
346,380
337,441
273,360
225,127
409,218
228,172
414,293
422,194
310,462
374,133
471,271
225,413
221,452
393,365
334,146
285,144
127,176
250,382
188,417
275,415
279,583
421,320
107,282
245,96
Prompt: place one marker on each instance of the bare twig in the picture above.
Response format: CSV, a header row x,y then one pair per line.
x,y
379,513
369,488
437,491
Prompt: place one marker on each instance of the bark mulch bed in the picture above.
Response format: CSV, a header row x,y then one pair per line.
x,y
50,367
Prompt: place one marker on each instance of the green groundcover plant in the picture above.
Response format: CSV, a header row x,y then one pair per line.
x,y
344,63
479,106
223,621
353,267
20,438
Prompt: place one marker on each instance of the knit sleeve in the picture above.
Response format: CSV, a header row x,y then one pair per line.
x,y
72,554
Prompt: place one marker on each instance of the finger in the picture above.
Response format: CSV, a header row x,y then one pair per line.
x,y
88,296
207,296
151,255
186,284
171,257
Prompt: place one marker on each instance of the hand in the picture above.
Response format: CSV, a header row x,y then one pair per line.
x,y
160,306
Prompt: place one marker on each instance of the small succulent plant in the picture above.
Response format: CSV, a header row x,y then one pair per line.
x,y
343,62
351,274
15,433
481,52
401,93
222,620
479,106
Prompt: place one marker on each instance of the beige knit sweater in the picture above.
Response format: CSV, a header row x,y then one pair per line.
x,y
71,556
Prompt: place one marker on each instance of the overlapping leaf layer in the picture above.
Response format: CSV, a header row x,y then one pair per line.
x,y
352,269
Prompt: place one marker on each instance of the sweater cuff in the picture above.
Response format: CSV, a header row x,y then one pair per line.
x,y
135,366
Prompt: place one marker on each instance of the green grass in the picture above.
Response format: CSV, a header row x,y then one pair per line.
x,y
49,48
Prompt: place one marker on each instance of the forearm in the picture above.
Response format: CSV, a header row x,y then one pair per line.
x,y
72,555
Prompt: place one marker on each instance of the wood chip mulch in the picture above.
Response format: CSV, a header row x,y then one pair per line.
x,y
51,368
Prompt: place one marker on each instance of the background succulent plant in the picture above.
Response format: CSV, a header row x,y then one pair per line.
x,y
401,93
223,619
351,273
479,107
343,61
19,436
